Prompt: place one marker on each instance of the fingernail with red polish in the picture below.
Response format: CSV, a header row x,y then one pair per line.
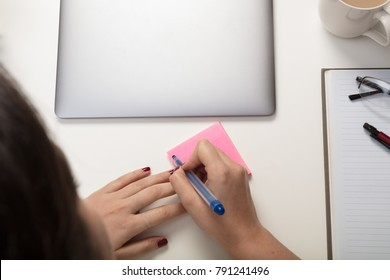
x,y
161,243
146,169
173,170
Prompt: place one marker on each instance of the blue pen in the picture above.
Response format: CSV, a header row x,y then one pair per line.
x,y
202,190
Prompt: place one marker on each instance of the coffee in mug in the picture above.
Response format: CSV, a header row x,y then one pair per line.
x,y
353,18
365,4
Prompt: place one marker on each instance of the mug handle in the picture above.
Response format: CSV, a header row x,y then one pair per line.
x,y
380,33
387,8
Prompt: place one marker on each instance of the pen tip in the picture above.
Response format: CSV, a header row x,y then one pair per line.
x,y
368,127
174,156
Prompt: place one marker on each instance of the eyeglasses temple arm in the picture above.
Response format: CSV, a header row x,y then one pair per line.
x,y
364,94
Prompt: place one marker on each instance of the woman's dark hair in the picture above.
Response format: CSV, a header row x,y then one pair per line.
x,y
39,212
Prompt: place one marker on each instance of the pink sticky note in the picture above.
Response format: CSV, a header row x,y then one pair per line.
x,y
217,135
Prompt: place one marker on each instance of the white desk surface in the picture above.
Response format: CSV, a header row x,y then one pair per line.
x,y
284,151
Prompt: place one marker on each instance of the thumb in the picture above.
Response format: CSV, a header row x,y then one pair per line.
x,y
140,247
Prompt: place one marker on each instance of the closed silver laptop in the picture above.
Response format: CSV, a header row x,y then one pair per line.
x,y
162,58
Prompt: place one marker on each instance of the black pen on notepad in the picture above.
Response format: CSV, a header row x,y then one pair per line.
x,y
378,135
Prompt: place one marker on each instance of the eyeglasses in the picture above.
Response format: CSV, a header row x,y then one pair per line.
x,y
376,86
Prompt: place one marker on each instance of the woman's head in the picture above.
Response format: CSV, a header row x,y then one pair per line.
x,y
39,206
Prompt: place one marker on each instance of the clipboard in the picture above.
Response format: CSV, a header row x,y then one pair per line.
x,y
357,168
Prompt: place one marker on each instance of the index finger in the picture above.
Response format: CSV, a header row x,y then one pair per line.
x,y
204,154
155,217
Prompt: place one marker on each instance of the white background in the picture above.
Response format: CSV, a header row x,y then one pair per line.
x,y
284,151
280,270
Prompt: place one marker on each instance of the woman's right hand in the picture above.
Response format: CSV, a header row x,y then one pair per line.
x,y
239,230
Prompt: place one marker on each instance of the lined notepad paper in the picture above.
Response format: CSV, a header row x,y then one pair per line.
x,y
358,167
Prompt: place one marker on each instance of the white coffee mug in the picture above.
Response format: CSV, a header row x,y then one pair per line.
x,y
353,18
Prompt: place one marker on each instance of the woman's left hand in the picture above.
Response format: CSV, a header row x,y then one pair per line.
x,y
119,204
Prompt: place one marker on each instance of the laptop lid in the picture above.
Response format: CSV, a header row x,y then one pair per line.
x,y
161,58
